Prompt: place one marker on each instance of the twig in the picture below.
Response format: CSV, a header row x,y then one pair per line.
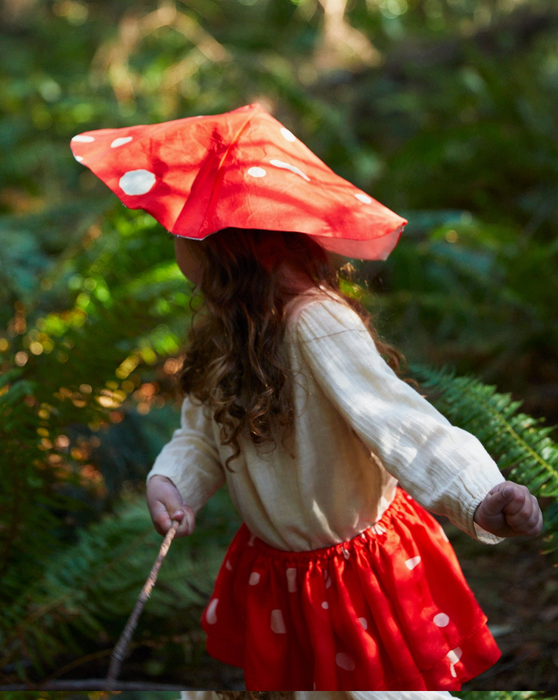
x,y
121,648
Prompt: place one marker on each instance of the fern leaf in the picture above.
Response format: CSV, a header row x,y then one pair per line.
x,y
503,695
88,591
517,442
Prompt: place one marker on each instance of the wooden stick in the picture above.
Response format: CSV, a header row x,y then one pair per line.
x,y
121,648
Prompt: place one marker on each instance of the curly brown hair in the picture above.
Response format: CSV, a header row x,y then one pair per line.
x,y
234,360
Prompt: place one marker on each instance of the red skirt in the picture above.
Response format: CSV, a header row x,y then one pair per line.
x,y
388,610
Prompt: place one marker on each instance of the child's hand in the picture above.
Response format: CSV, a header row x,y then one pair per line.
x,y
165,504
509,510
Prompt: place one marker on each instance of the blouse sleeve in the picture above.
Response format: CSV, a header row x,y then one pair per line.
x,y
191,460
400,695
446,469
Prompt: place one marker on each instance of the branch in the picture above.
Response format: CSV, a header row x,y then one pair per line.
x,y
121,648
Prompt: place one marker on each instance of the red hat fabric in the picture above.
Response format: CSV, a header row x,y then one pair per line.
x,y
242,169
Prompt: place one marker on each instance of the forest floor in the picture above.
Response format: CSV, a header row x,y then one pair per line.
x,y
517,587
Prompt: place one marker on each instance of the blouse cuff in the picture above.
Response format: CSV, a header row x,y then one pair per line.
x,y
476,481
477,532
486,537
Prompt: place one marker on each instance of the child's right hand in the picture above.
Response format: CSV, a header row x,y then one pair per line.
x,y
509,510
165,505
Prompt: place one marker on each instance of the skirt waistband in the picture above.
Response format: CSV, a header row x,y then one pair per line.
x,y
373,532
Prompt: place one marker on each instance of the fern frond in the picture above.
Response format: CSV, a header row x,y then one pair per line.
x,y
88,591
517,442
503,695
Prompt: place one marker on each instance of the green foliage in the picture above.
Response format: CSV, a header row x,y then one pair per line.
x,y
473,295
503,695
444,111
520,444
47,695
29,498
87,592
130,307
433,126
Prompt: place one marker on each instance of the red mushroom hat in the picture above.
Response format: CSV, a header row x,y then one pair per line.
x,y
240,169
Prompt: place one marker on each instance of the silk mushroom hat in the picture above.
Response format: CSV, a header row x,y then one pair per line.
x,y
241,169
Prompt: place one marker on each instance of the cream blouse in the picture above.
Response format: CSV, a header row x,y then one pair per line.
x,y
358,431
335,695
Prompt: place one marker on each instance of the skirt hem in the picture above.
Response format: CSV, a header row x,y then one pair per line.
x,y
221,651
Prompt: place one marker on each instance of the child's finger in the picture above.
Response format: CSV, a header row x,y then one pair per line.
x,y
520,503
495,502
160,516
528,519
187,522
183,514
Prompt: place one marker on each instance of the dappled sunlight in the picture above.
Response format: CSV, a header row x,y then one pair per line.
x,y
442,109
342,46
112,59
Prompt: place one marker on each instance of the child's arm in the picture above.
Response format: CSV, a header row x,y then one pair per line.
x,y
445,468
186,473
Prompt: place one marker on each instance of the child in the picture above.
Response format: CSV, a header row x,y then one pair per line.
x,y
339,579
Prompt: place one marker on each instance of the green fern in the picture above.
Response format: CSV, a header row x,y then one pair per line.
x,y
503,695
87,593
520,444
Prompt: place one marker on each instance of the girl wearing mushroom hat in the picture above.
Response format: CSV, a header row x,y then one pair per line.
x,y
339,579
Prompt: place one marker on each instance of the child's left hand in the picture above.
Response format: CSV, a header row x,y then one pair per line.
x,y
509,510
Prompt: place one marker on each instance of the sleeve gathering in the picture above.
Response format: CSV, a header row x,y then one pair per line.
x,y
191,459
445,468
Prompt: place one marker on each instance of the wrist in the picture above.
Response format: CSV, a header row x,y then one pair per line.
x,y
159,477
161,484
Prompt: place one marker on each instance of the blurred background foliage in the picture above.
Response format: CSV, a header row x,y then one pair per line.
x,y
444,110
